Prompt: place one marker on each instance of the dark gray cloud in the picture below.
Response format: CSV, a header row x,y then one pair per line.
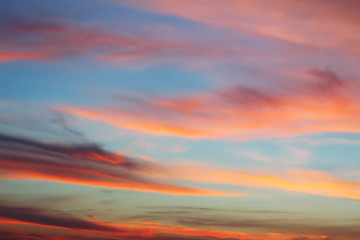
x,y
261,221
63,156
38,216
87,164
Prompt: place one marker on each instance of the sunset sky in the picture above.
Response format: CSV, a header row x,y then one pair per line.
x,y
179,120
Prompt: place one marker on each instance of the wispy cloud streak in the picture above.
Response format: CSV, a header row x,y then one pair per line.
x,y
11,214
59,39
325,103
316,23
81,164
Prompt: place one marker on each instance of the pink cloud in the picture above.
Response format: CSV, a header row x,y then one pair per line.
x,y
62,39
324,103
318,23
16,56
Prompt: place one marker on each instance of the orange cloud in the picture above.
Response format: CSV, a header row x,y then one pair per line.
x,y
156,229
15,56
86,164
90,165
325,104
133,121
294,180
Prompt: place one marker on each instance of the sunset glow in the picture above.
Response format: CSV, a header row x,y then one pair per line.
x,y
179,120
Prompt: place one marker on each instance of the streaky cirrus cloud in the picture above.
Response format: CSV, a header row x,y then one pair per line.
x,y
18,236
16,56
322,102
304,181
309,230
82,164
281,222
65,155
40,217
54,39
321,23
27,215
89,164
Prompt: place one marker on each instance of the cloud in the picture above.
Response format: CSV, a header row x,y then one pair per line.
x,y
156,211
17,236
37,216
70,158
86,164
323,104
90,164
312,238
11,214
315,23
54,39
191,227
16,56
303,181
331,141
243,113
285,225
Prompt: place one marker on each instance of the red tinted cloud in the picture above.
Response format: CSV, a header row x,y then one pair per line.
x,y
56,40
15,56
85,164
200,228
326,103
33,216
281,228
317,23
10,214
37,216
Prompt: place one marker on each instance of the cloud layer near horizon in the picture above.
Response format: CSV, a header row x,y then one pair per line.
x,y
194,228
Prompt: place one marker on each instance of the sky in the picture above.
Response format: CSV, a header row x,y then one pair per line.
x,y
179,120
